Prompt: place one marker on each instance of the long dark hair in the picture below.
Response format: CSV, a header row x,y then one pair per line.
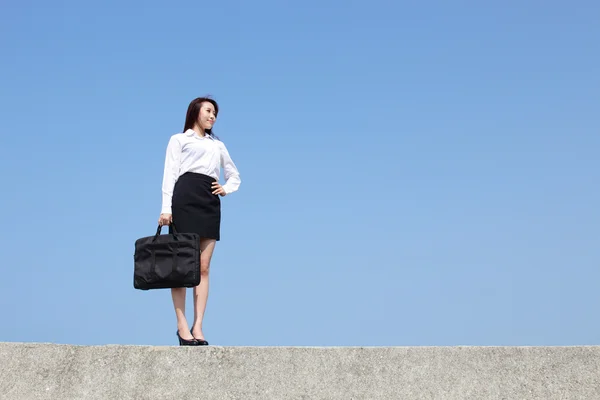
x,y
194,110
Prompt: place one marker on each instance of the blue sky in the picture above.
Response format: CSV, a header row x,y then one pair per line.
x,y
413,173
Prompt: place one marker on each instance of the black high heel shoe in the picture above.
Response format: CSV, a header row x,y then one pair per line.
x,y
201,342
185,342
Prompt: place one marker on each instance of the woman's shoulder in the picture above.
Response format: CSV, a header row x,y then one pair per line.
x,y
176,137
179,135
218,141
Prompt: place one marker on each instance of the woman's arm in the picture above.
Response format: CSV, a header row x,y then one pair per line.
x,y
171,173
230,172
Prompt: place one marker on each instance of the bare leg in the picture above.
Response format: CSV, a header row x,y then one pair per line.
x,y
207,247
178,295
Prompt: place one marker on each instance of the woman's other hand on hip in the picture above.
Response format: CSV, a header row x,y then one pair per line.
x,y
218,189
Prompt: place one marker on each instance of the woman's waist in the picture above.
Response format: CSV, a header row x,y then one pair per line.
x,y
199,175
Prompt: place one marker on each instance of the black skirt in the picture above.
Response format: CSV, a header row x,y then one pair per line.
x,y
194,208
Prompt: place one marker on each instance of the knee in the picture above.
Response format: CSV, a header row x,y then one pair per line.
x,y
204,267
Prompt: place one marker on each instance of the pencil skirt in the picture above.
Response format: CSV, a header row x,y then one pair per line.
x,y
195,209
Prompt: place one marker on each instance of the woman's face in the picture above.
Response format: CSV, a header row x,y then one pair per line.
x,y
207,116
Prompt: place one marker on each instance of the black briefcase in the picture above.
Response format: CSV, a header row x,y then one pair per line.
x,y
167,261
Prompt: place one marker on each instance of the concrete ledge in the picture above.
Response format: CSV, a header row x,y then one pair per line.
x,y
49,371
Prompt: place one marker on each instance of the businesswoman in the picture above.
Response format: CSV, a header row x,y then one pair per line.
x,y
190,201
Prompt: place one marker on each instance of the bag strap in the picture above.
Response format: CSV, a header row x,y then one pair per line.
x,y
158,230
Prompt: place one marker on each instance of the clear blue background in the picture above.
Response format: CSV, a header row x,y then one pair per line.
x,y
420,173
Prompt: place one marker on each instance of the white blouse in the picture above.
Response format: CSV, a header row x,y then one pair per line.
x,y
189,152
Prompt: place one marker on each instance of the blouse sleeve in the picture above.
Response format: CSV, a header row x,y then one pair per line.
x,y
171,173
230,171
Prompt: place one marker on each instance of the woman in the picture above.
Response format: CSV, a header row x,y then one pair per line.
x,y
191,202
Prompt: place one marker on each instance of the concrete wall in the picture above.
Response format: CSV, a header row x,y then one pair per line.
x,y
46,371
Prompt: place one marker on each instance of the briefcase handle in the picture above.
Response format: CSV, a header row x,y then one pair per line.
x,y
160,228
